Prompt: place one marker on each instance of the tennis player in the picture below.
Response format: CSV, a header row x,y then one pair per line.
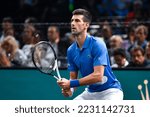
x,y
89,56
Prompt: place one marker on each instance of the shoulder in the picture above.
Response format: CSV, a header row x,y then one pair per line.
x,y
98,44
98,41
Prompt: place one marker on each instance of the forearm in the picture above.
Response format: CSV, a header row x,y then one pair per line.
x,y
90,79
73,76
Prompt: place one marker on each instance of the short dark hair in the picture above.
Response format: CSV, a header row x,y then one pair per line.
x,y
56,28
7,19
120,51
137,48
87,15
31,20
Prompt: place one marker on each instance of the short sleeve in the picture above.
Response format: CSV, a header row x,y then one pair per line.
x,y
99,53
71,64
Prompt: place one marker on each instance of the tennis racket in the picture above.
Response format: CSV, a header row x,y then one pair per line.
x,y
45,60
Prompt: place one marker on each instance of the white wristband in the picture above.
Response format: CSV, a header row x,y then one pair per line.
x,y
72,90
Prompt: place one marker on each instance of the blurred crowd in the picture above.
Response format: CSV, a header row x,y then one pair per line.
x,y
127,47
124,26
17,42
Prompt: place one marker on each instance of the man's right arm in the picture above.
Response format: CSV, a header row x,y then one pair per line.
x,y
69,92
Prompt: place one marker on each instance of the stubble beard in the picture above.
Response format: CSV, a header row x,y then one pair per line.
x,y
75,33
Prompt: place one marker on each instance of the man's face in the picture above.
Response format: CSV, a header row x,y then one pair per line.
x,y
52,34
78,25
28,33
119,60
115,43
6,25
140,35
137,57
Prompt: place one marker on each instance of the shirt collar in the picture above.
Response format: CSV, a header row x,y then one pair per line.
x,y
86,43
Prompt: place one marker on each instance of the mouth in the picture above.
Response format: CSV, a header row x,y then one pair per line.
x,y
73,29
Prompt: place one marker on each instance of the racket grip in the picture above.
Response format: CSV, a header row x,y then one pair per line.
x,y
59,79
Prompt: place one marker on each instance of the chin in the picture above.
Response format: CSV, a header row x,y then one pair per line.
x,y
75,33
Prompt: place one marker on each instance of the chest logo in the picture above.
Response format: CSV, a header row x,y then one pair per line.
x,y
89,56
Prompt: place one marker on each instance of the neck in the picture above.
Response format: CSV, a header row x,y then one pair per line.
x,y
80,39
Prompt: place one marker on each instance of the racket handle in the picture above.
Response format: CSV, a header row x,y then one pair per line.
x,y
59,79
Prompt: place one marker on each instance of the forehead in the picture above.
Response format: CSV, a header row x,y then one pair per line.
x,y
136,52
51,29
141,30
80,17
117,56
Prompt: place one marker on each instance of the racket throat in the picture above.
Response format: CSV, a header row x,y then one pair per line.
x,y
56,68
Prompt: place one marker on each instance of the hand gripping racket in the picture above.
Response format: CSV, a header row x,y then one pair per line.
x,y
45,60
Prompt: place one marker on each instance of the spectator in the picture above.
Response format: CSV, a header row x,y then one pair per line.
x,y
130,40
106,34
30,21
7,24
30,38
120,58
138,58
147,51
53,36
115,42
66,41
4,61
14,54
141,35
29,34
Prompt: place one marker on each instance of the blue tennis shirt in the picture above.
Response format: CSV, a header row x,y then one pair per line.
x,y
93,53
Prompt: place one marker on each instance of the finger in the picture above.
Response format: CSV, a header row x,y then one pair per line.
x,y
65,90
58,81
65,94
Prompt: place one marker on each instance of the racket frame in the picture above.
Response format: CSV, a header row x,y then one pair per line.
x,y
55,68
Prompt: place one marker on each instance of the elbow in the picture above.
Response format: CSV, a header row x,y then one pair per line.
x,y
98,77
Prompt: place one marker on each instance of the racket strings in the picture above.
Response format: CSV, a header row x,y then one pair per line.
x,y
49,68
44,58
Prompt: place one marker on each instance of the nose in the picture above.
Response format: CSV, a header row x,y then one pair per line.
x,y
135,58
72,23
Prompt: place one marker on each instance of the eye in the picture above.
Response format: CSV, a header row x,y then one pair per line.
x,y
77,20
71,20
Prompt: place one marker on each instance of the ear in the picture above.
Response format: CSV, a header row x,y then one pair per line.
x,y
87,25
